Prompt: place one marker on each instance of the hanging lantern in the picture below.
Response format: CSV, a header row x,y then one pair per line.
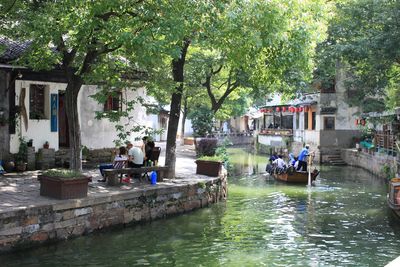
x,y
278,109
356,122
292,109
297,110
301,109
283,109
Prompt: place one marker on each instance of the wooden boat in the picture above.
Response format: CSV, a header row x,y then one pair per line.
x,y
296,177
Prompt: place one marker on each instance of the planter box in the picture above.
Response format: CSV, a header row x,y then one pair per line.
x,y
188,141
62,188
209,168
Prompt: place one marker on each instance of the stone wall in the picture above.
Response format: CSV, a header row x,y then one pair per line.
x,y
373,163
35,225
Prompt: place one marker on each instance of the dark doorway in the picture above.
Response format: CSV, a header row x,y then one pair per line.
x,y
63,135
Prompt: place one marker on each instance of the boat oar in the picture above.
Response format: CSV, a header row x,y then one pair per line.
x,y
309,170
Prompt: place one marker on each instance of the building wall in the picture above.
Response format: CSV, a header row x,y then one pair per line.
x,y
38,130
4,109
98,134
95,133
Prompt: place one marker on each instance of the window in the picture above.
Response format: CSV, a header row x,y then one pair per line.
x,y
297,121
305,121
113,102
329,123
314,121
38,102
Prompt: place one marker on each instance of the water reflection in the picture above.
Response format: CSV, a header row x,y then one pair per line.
x,y
341,221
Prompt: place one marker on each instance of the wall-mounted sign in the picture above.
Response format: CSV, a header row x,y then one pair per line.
x,y
328,110
54,112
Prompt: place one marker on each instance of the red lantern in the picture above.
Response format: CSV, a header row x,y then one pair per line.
x,y
301,109
356,122
292,109
278,109
297,109
283,109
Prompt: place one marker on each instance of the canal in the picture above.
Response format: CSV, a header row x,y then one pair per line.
x,y
342,221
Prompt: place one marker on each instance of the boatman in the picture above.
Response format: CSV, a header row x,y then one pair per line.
x,y
302,158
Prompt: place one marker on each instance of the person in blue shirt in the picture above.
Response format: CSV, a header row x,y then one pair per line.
x,y
302,158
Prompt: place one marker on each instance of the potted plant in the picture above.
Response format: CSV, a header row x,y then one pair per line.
x,y
30,143
63,184
22,156
46,145
209,165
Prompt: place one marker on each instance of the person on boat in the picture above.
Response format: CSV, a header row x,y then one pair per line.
x,y
292,159
270,166
302,158
280,164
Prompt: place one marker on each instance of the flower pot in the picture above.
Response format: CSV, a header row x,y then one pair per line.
x,y
209,168
9,166
63,188
20,166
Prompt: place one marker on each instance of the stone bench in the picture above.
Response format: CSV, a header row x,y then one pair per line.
x,y
114,176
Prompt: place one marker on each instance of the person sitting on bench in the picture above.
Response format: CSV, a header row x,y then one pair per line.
x,y
135,160
119,162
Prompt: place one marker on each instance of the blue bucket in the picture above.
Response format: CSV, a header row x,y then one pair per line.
x,y
153,177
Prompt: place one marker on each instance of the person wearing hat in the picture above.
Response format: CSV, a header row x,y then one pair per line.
x,y
302,158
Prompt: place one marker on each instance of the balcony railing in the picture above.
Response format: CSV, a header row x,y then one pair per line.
x,y
280,132
385,142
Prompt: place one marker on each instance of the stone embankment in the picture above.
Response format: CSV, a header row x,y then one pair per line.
x,y
28,219
373,163
33,224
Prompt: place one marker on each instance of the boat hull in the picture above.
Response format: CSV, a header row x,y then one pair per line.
x,y
296,177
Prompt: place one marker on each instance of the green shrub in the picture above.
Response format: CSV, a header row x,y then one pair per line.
x,y
206,147
63,173
202,121
211,158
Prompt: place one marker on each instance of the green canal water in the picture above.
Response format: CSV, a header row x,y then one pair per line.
x,y
342,221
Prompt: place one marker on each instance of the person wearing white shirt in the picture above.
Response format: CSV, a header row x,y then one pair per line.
x,y
280,164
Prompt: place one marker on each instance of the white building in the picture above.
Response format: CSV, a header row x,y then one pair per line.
x,y
32,107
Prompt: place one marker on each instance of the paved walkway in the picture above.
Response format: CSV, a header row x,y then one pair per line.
x,y
19,191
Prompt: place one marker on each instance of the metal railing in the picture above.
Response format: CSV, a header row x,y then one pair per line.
x,y
280,132
385,142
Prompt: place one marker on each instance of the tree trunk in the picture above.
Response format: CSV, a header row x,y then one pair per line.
x,y
184,115
71,108
175,108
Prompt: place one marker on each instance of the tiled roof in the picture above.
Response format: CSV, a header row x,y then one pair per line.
x,y
13,49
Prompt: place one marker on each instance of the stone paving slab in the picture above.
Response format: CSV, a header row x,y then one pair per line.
x,y
20,191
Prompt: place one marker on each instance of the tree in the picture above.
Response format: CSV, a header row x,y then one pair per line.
x,y
363,36
84,37
259,56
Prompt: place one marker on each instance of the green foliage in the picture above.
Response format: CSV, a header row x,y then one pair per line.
x,y
388,171
211,158
201,185
67,174
202,121
22,155
222,152
363,40
206,146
